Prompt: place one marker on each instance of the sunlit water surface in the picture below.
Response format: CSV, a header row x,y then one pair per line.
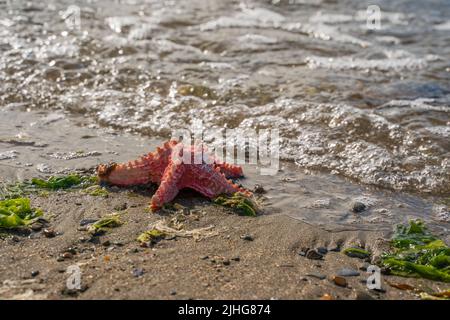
x,y
369,106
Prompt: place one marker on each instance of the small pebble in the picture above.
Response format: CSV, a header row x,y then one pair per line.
x,y
316,275
204,257
173,292
226,262
340,281
121,207
362,295
71,250
335,249
322,250
138,272
34,273
36,226
49,233
106,243
347,272
313,255
86,222
236,259
247,237
364,266
67,255
358,207
259,189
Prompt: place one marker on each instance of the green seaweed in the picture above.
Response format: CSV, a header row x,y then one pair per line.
x,y
150,236
17,212
63,182
106,223
96,191
239,202
418,253
16,190
43,186
356,253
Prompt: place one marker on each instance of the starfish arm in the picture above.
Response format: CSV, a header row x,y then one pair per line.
x,y
168,189
229,170
148,168
126,174
209,181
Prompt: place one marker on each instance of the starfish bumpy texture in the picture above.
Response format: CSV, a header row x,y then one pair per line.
x,y
165,167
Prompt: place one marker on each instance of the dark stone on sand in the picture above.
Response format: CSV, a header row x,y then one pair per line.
x,y
121,206
36,226
335,249
380,290
67,255
49,233
226,262
316,275
60,259
247,237
347,272
71,250
313,255
106,243
259,189
362,295
173,292
138,272
204,257
358,207
364,266
94,240
34,273
322,250
86,222
236,259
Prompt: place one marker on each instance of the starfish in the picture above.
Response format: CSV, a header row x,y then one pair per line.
x,y
165,167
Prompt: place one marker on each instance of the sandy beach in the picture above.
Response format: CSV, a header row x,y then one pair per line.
x,y
238,257
333,118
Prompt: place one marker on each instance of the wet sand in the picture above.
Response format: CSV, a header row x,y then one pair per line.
x,y
225,266
247,258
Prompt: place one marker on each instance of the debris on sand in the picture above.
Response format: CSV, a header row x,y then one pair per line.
x,y
150,236
239,202
17,212
96,191
163,229
105,223
418,253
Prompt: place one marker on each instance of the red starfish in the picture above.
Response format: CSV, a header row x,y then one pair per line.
x,y
166,168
